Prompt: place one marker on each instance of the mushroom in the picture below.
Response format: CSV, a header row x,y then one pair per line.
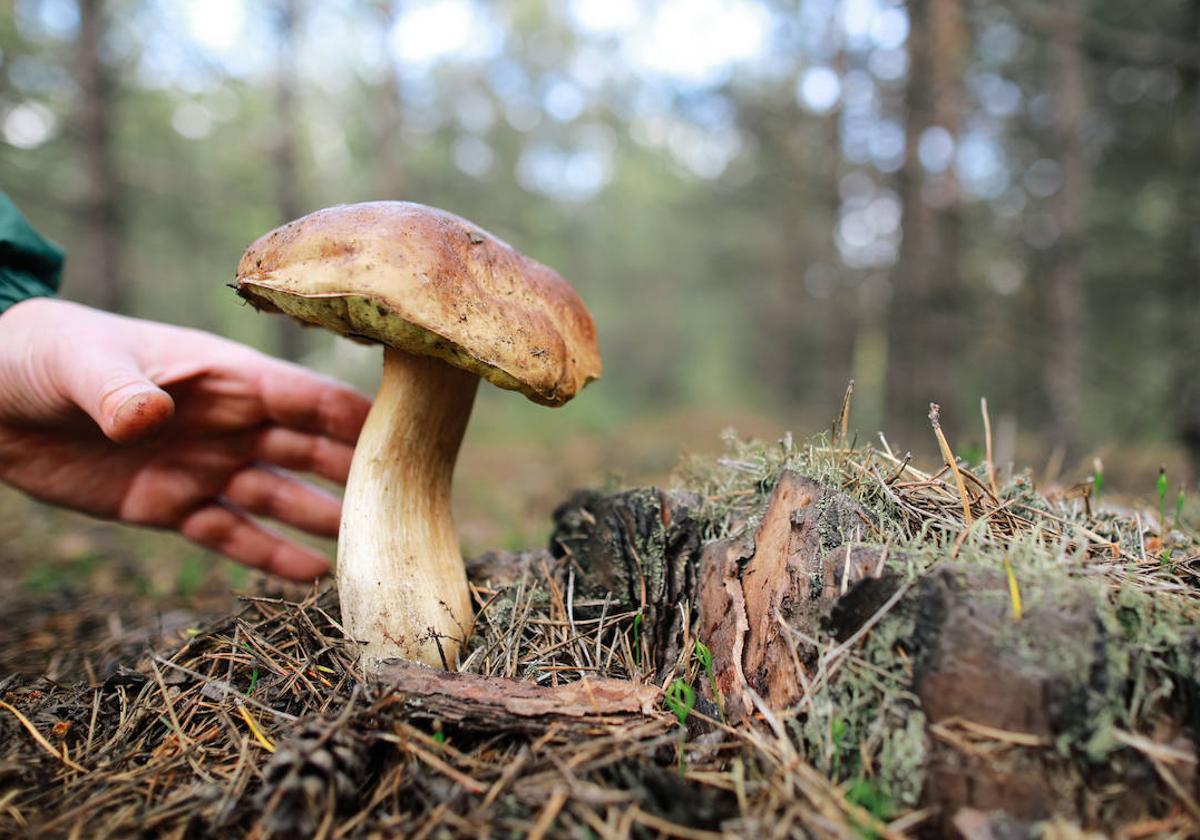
x,y
450,303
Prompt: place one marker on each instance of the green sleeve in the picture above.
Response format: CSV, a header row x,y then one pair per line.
x,y
30,265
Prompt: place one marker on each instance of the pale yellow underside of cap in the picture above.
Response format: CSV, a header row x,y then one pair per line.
x,y
360,318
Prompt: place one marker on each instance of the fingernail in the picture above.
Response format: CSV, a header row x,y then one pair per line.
x,y
141,413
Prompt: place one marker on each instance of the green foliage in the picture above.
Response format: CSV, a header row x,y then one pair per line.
x,y
867,795
237,575
1161,486
680,698
837,739
253,674
47,577
705,656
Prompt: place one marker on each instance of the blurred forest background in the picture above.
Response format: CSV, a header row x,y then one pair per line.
x,y
758,200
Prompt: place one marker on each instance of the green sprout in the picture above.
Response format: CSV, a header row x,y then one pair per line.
x,y
637,639
868,796
1162,486
680,698
1179,501
1097,480
837,734
705,656
439,737
253,674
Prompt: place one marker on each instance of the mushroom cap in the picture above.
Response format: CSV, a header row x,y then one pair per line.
x,y
431,283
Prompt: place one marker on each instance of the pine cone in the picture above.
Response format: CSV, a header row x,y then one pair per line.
x,y
319,768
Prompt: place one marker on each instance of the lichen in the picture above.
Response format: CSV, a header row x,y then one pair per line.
x,y
867,711
1131,666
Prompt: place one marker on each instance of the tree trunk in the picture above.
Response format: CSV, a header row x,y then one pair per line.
x,y
1183,253
926,315
1064,297
392,181
98,255
288,200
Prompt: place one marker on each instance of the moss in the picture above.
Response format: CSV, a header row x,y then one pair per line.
x,y
734,487
873,713
1131,661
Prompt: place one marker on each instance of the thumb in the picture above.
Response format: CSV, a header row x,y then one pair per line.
x,y
125,404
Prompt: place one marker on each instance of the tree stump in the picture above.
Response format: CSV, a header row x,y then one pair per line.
x,y
1011,707
639,548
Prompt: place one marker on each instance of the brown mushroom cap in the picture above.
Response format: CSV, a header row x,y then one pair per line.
x,y
430,283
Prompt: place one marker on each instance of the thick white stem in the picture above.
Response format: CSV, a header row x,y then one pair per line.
x,y
400,573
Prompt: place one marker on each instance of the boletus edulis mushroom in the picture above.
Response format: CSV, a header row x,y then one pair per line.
x,y
450,303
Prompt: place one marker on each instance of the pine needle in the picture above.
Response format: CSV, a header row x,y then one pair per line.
x,y
254,730
40,738
987,436
841,426
1014,590
948,456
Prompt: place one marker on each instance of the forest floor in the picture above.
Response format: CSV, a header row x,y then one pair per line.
x,y
796,639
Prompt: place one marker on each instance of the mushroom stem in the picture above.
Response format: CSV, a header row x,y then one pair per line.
x,y
400,572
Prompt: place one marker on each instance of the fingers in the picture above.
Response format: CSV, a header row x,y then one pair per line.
x,y
264,492
304,452
303,400
114,391
238,537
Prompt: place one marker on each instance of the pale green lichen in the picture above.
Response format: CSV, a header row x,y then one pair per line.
x,y
869,711
735,486
1129,664
1133,667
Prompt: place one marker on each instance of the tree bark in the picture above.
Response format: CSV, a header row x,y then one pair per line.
x,y
788,573
99,252
501,704
288,200
1064,296
638,547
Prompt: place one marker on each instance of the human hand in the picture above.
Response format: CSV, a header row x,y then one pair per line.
x,y
173,428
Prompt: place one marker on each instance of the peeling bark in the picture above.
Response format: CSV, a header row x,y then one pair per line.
x,y
495,704
756,590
